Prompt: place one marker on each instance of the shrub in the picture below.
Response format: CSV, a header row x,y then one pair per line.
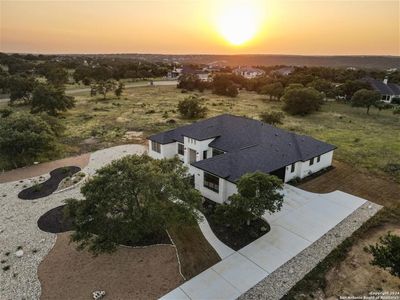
x,y
24,138
273,117
386,253
191,108
302,101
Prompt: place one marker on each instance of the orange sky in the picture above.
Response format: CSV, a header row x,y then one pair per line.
x,y
324,27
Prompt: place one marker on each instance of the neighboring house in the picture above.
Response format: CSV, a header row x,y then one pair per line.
x,y
219,150
283,71
387,90
248,72
201,74
174,73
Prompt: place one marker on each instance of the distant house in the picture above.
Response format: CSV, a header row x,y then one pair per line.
x,y
202,74
248,72
283,71
219,150
174,73
387,90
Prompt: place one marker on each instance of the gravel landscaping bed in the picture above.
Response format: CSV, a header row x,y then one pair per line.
x,y
18,227
40,190
279,282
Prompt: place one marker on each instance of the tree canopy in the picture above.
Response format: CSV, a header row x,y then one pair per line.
x,y
258,193
192,108
130,200
302,101
365,98
386,253
50,99
24,138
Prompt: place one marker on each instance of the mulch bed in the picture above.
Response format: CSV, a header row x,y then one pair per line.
x,y
49,186
54,221
225,233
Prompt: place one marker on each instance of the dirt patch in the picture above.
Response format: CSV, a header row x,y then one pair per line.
x,y
347,179
195,253
128,273
364,277
48,187
44,168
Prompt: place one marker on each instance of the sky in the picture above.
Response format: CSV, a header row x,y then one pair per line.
x,y
312,27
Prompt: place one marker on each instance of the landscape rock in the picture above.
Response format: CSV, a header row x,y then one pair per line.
x,y
19,253
98,294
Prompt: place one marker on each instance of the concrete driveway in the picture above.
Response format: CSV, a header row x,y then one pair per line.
x,y
305,217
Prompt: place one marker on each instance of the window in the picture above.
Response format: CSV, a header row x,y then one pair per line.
x,y
311,161
181,149
216,152
211,182
205,154
156,147
292,168
318,158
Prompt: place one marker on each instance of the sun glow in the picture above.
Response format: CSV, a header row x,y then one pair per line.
x,y
238,22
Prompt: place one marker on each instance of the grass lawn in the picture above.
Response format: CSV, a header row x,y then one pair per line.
x,y
364,141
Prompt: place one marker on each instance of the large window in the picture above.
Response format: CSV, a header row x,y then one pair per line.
x,y
311,161
181,149
156,147
211,182
216,152
292,167
205,154
318,158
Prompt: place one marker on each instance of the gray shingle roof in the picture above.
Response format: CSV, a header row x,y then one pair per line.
x,y
250,145
382,88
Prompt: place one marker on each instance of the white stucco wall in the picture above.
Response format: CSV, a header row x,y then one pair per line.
x,y
226,188
167,151
198,146
303,169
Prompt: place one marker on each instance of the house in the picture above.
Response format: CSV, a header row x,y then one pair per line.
x,y
203,75
174,73
248,72
387,90
219,150
283,71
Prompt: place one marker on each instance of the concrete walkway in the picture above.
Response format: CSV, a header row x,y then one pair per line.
x,y
222,249
305,217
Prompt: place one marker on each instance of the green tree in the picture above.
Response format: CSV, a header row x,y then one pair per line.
x,y
50,99
274,90
293,86
223,85
386,253
365,98
131,200
120,88
350,87
103,87
258,193
273,117
24,138
302,101
323,86
20,88
192,108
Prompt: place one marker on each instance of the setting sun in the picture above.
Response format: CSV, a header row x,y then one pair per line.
x,y
238,24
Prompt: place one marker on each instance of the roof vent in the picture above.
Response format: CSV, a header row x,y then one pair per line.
x,y
276,134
